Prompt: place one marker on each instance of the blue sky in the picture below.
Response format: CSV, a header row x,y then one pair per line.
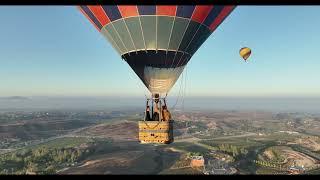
x,y
55,51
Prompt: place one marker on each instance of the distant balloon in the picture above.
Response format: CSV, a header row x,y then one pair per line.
x,y
245,53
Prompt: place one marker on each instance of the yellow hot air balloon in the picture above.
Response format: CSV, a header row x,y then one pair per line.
x,y
245,52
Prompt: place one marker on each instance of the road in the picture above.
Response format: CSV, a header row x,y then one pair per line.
x,y
195,139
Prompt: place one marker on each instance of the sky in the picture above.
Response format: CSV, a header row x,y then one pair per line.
x,y
56,51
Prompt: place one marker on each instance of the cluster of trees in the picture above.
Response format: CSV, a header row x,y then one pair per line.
x,y
40,161
190,154
267,164
275,161
277,158
232,149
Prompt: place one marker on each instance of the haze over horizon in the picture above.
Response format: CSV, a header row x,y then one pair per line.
x,y
271,104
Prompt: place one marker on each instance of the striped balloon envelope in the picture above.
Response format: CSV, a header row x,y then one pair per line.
x,y
245,53
157,41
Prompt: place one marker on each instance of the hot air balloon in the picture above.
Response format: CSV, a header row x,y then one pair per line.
x,y
157,42
245,53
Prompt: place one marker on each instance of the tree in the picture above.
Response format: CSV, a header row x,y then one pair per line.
x,y
73,157
32,167
234,150
50,170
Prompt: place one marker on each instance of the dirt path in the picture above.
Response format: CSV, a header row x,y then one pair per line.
x,y
195,139
235,136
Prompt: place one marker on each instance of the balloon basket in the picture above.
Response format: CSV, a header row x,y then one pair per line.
x,y
157,132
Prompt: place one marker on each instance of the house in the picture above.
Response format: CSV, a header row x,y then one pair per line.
x,y
197,161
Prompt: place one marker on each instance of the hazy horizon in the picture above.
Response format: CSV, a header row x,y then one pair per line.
x,y
271,103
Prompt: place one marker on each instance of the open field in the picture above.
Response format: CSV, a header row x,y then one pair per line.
x,y
126,158
123,130
107,142
65,142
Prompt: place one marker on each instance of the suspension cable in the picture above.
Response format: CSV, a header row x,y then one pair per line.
x,y
179,93
185,88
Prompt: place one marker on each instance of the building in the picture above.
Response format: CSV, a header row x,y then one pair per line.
x,y
216,166
296,169
197,161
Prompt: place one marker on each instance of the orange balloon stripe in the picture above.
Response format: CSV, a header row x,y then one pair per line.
x,y
166,10
128,11
99,13
200,13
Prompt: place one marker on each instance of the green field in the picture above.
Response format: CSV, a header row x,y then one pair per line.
x,y
278,137
241,142
65,142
